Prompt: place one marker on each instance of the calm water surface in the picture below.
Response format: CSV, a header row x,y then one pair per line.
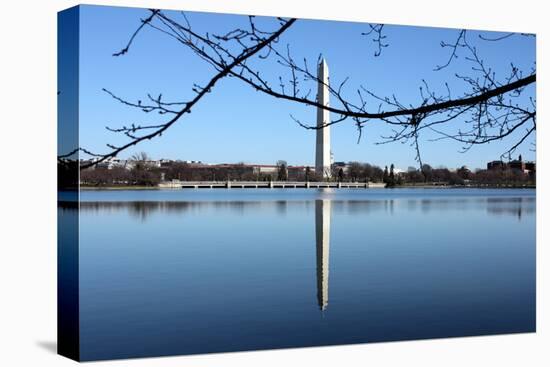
x,y
192,271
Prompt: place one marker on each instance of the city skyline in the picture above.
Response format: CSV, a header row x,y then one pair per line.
x,y
311,165
236,124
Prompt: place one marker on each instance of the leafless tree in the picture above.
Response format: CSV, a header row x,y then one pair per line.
x,y
491,107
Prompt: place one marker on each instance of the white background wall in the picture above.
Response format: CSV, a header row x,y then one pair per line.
x,y
28,207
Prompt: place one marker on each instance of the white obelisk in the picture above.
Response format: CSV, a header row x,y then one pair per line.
x,y
322,153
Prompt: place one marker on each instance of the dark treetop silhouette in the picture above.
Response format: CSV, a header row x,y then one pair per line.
x,y
491,108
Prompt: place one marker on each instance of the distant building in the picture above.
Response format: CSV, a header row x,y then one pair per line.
x,y
496,165
166,163
297,169
264,168
111,163
341,166
153,163
191,162
516,164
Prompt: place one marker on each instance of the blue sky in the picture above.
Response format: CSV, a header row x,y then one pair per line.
x,y
235,123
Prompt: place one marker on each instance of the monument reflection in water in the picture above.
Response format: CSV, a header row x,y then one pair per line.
x,y
322,237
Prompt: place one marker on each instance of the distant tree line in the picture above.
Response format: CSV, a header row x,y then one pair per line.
x,y
142,173
462,176
359,172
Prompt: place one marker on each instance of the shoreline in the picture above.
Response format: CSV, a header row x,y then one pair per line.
x,y
442,187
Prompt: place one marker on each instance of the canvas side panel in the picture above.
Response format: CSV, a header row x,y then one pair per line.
x,y
68,343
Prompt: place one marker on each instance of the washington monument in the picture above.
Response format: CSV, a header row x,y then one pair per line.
x,y
322,152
